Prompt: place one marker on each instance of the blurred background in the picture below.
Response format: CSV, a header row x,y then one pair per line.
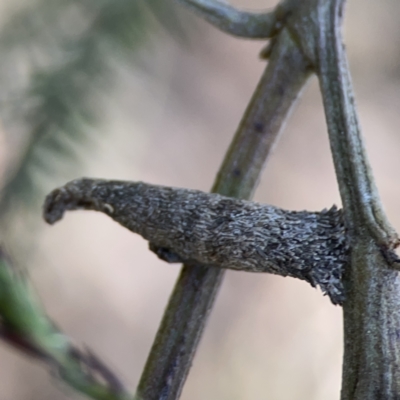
x,y
143,90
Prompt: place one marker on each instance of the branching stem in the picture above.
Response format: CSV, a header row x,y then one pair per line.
x,y
305,35
235,22
194,294
372,306
356,183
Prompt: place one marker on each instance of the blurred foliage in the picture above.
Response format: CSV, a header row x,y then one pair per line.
x,y
25,326
56,57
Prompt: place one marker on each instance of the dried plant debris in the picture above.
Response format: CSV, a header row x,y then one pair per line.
x,y
201,228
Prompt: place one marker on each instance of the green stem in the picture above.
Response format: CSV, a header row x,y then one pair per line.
x,y
191,301
25,326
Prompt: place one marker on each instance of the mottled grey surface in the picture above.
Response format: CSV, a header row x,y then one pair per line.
x,y
197,227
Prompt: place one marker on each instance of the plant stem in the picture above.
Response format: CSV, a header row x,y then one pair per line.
x,y
235,22
356,183
371,309
25,326
191,301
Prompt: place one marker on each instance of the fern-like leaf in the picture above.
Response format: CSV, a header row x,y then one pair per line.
x,y
65,48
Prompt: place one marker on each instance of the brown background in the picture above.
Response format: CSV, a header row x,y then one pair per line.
x,y
268,337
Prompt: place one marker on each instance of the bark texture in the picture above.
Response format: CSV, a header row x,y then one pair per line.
x,y
200,228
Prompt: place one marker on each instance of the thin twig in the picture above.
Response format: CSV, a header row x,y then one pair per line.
x,y
235,22
192,299
310,37
356,183
371,308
